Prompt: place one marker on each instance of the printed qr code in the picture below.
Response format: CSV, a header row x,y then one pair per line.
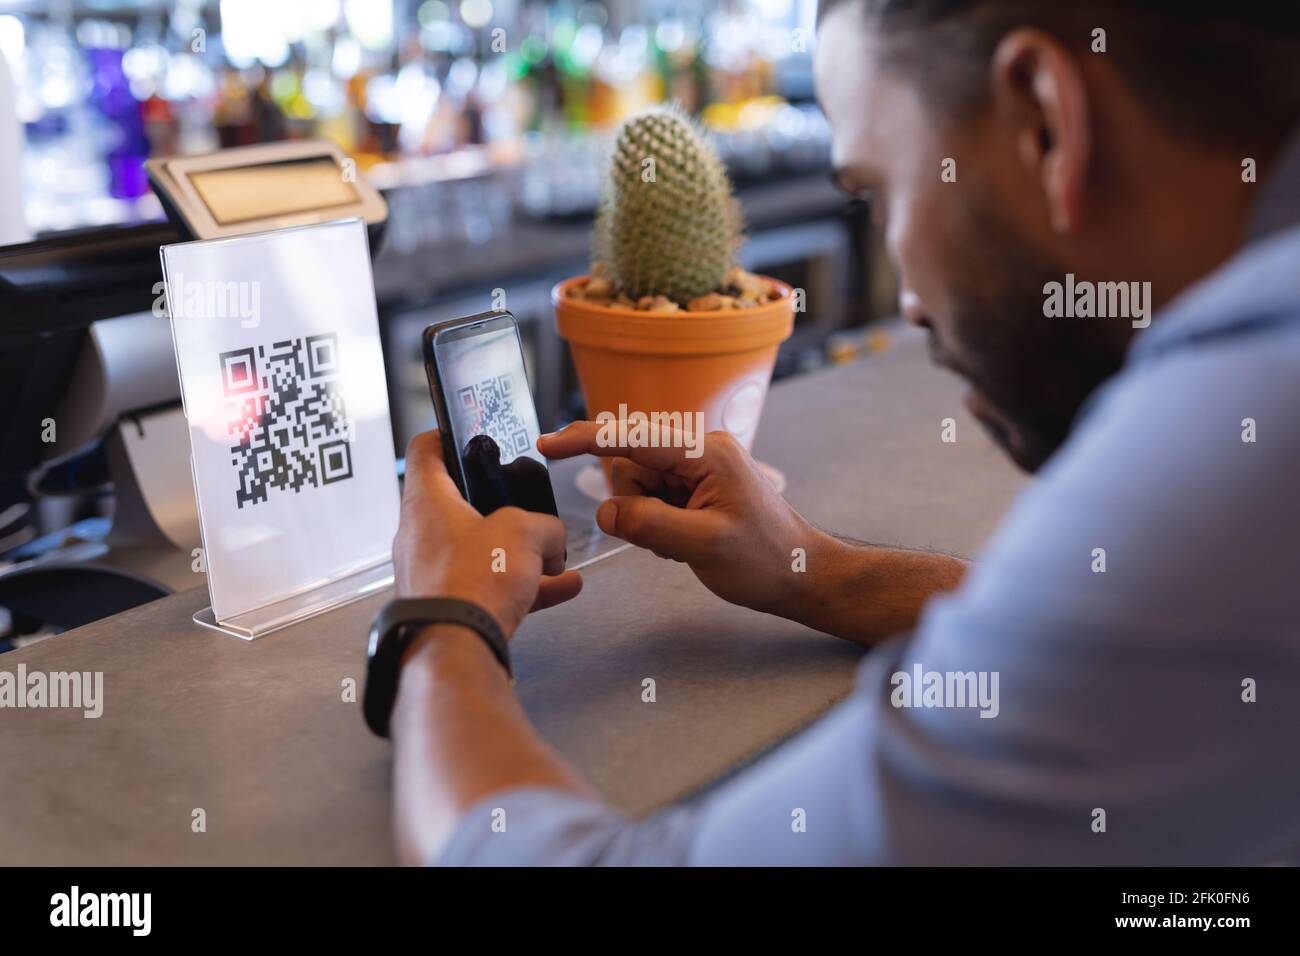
x,y
285,416
490,409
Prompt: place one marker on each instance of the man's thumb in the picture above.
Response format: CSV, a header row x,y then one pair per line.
x,y
650,523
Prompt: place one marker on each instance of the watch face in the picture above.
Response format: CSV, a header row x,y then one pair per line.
x,y
374,641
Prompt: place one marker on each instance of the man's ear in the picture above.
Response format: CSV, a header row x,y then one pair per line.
x,y
1038,87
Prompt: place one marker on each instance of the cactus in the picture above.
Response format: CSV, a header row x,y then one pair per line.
x,y
669,227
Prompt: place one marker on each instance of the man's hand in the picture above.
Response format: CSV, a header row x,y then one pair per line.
x,y
507,563
715,512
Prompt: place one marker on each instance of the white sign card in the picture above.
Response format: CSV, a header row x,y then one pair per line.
x,y
282,380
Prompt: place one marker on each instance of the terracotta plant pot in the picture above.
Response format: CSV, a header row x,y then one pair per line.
x,y
718,363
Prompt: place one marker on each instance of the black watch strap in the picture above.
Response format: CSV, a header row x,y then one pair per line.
x,y
395,626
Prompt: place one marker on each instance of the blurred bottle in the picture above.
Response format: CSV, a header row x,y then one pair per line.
x,y
233,115
13,223
269,123
111,95
161,126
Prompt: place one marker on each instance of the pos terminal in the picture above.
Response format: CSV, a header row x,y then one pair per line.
x,y
258,188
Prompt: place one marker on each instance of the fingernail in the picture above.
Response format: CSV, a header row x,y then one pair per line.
x,y
606,515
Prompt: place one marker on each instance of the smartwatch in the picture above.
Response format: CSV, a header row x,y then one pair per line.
x,y
391,633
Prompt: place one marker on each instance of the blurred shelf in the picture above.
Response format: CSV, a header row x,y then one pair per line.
x,y
427,254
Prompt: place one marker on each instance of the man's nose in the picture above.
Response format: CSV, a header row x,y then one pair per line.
x,y
909,304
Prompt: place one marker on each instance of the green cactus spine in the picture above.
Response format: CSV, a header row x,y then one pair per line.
x,y
668,223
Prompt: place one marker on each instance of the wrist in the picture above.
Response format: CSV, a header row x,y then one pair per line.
x,y
447,655
866,592
813,577
446,642
443,632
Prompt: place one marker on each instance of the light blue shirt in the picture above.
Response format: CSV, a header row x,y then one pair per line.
x,y
1147,713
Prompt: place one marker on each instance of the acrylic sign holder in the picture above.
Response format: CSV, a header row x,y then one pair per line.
x,y
286,403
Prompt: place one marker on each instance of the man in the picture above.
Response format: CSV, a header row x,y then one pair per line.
x,y
1140,602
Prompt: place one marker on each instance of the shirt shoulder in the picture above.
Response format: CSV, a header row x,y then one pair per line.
x,y
1176,492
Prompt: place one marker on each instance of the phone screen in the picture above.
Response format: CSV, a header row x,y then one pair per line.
x,y
491,417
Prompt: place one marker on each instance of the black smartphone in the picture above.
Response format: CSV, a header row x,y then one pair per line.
x,y
486,414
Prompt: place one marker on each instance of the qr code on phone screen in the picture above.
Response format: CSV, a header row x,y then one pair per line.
x,y
285,416
489,407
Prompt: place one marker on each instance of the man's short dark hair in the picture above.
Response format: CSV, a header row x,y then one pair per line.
x,y
1224,72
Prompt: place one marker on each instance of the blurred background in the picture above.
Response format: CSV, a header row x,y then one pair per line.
x,y
486,125
485,122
